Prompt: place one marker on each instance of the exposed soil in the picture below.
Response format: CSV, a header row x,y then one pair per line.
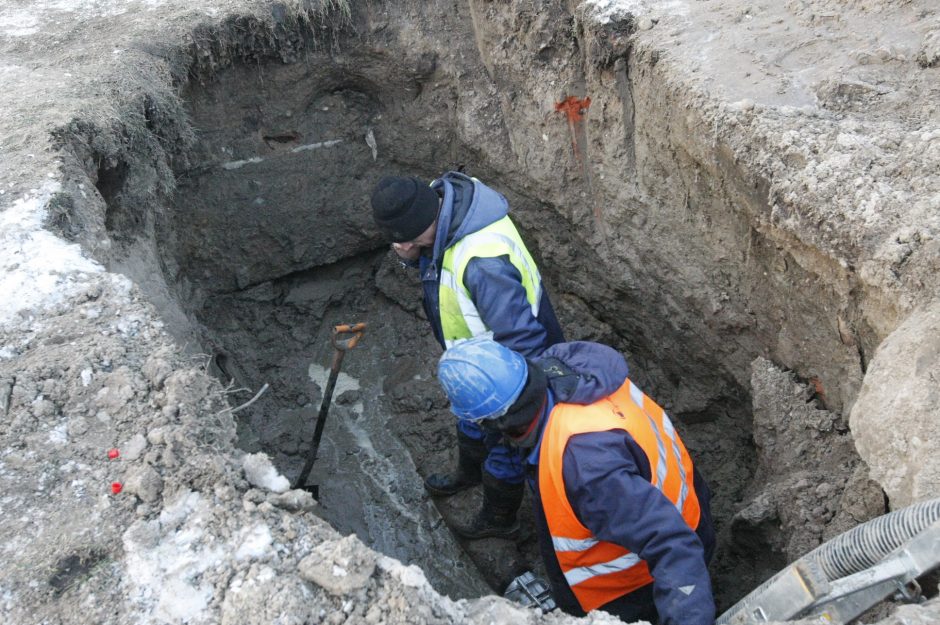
x,y
740,197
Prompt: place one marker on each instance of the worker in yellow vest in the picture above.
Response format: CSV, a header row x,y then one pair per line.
x,y
479,280
622,514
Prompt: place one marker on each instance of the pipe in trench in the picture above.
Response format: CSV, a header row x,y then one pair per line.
x,y
855,550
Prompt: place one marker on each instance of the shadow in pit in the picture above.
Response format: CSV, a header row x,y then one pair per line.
x,y
499,560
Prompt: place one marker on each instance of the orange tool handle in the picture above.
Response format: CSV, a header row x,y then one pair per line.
x,y
356,329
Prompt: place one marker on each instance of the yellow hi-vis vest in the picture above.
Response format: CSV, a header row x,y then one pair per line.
x,y
460,319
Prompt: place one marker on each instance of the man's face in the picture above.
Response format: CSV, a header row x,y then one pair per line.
x,y
411,250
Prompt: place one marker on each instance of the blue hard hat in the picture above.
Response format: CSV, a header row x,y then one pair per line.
x,y
482,378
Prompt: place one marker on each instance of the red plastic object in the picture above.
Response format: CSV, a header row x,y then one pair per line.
x,y
573,107
113,453
116,487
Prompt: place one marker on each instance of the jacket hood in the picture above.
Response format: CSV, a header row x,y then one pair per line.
x,y
467,206
581,372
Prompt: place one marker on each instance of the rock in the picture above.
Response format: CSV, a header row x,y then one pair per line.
x,y
261,473
157,368
841,94
42,408
117,391
339,566
133,448
894,420
260,596
929,53
77,426
254,495
348,397
296,500
644,23
144,482
746,104
157,436
757,511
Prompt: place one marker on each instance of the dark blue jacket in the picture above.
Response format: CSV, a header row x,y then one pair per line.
x,y
608,483
494,283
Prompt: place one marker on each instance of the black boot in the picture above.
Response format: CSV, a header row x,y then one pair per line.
x,y
470,456
497,516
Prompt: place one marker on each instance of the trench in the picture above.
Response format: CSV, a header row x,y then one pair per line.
x,y
267,242
270,233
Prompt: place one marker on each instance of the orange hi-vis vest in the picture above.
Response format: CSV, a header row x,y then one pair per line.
x,y
598,572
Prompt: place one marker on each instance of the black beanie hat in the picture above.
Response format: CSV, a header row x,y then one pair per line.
x,y
403,208
520,415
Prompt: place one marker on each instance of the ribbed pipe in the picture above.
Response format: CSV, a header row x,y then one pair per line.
x,y
857,549
869,543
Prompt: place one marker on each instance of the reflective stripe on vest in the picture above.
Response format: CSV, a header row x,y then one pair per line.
x,y
460,318
597,571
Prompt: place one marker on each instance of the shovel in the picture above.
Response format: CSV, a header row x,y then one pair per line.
x,y
341,346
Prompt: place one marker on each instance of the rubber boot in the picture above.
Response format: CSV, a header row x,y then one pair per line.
x,y
497,516
470,456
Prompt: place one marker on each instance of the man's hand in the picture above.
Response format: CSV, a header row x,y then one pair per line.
x,y
407,251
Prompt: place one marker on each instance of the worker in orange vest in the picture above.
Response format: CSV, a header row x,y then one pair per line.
x,y
623,516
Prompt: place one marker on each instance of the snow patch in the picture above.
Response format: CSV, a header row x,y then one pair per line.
x,y
410,575
18,25
58,435
261,473
166,559
606,10
37,268
255,543
413,577
320,376
21,21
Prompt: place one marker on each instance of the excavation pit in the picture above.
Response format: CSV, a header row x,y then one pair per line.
x,y
267,243
646,239
739,197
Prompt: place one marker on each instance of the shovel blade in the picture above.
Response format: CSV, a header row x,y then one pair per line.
x,y
313,489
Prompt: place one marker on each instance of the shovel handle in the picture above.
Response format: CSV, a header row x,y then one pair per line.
x,y
356,329
341,346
